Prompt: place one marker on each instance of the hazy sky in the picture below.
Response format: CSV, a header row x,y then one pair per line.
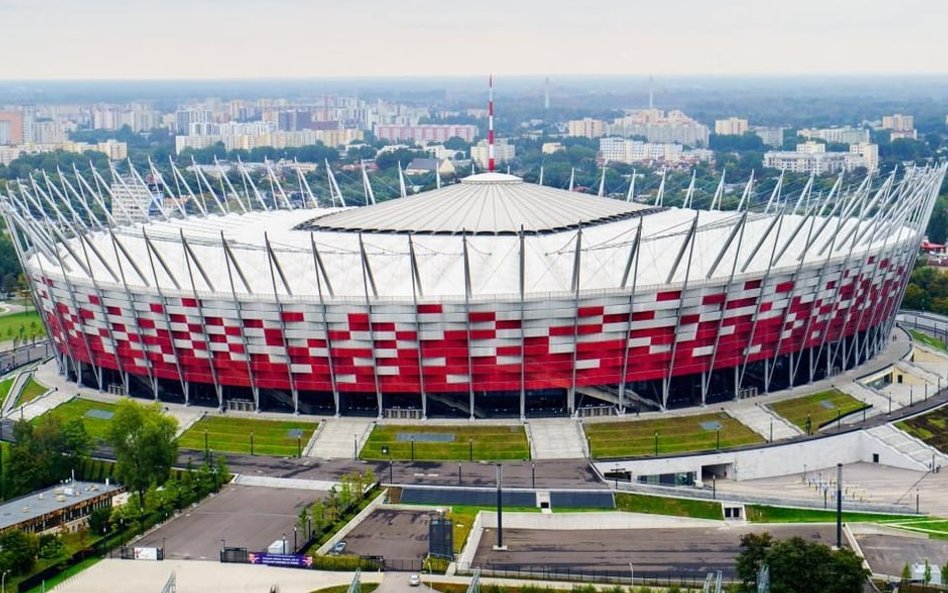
x,y
116,39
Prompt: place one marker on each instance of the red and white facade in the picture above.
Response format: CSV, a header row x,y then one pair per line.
x,y
489,290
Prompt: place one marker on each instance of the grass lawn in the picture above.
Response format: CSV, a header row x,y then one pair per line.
x,y
931,428
232,435
660,505
767,514
447,443
935,528
821,408
5,386
928,340
32,390
463,518
71,571
27,321
676,434
92,413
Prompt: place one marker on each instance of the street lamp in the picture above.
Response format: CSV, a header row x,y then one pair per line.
x,y
3,582
533,475
656,443
295,544
470,449
284,543
251,443
631,574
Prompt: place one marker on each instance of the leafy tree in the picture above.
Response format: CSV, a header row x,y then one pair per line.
x,y
77,442
99,520
51,546
906,573
18,551
143,439
799,566
927,575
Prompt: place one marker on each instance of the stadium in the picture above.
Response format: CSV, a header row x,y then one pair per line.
x,y
492,297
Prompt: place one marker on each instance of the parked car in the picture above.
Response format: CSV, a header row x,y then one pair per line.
x,y
339,548
414,580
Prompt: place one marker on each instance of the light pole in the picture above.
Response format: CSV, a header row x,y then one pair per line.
x,y
3,582
631,574
656,443
470,449
459,473
355,447
284,543
719,439
207,453
533,475
251,443
295,543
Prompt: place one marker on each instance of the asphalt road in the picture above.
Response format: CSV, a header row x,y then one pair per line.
x,y
239,516
655,553
516,474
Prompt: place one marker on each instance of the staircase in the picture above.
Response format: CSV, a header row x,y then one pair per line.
x,y
341,438
909,446
557,438
868,396
760,419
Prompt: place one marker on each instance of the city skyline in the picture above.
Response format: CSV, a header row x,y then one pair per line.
x,y
210,39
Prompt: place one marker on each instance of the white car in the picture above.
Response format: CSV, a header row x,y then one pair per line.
x,y
414,580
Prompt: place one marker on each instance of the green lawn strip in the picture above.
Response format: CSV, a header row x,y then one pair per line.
x,y
676,434
69,572
31,390
232,435
79,408
22,325
798,409
489,443
463,517
661,505
928,340
769,514
931,428
363,588
5,386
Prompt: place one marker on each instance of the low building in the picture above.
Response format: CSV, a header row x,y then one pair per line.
x,y
425,166
504,152
812,157
621,150
899,122
844,135
772,137
552,147
60,508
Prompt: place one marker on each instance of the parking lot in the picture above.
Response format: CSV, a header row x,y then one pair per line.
x,y
887,554
394,534
654,553
249,517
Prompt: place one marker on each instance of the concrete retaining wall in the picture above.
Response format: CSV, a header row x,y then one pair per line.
x,y
777,460
579,521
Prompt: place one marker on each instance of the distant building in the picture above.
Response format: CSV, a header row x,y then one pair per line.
x,y
11,128
770,136
845,135
656,126
438,151
622,150
586,128
266,137
425,166
425,133
552,147
732,126
115,150
133,202
812,157
910,134
898,122
64,508
504,152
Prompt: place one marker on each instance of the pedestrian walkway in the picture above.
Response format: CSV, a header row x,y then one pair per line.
x,y
556,438
763,421
292,483
926,456
341,438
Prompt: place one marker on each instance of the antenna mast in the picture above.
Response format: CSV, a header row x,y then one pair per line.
x,y
490,124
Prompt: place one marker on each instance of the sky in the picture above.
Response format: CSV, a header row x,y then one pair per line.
x,y
203,39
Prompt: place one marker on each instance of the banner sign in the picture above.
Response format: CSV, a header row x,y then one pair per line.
x,y
145,553
293,560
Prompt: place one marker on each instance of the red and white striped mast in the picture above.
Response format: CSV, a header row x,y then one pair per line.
x,y
490,125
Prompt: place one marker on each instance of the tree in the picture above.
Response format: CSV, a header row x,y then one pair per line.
x,y
143,439
77,442
927,575
18,550
799,566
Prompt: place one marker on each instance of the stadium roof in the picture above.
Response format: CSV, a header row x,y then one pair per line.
x,y
483,204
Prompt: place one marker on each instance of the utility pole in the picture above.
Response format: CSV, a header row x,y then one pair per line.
x,y
839,506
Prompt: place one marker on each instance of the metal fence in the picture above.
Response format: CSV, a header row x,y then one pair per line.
x,y
583,574
17,357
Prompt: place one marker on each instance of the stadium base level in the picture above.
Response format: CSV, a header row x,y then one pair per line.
x,y
684,391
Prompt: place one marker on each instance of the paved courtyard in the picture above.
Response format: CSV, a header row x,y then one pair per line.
x,y
240,516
